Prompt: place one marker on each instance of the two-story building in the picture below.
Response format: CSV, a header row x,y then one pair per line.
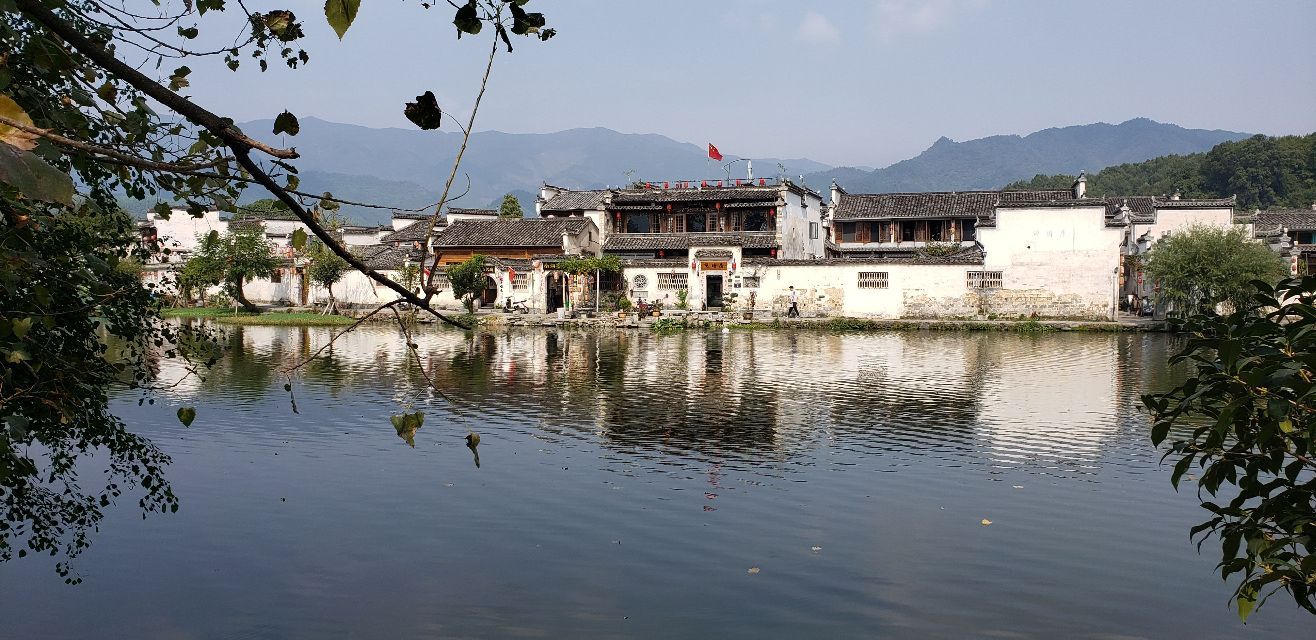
x,y
693,236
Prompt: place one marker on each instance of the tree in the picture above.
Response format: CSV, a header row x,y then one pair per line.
x,y
79,126
1204,266
239,255
1246,417
467,280
511,208
325,269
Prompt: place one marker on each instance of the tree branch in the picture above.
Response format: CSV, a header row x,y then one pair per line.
x,y
222,127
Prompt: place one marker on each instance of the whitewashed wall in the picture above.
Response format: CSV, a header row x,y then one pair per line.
x,y
793,222
1171,220
1059,261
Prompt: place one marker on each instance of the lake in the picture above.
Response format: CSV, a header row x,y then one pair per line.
x,y
698,485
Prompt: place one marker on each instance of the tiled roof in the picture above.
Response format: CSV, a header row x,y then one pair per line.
x,y
656,241
1291,219
380,257
531,232
411,215
414,232
949,204
767,194
472,212
713,254
968,256
1184,203
575,200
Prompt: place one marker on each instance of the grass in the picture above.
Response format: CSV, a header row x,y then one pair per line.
x,y
278,319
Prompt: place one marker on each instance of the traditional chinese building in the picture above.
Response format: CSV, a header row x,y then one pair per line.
x,y
692,236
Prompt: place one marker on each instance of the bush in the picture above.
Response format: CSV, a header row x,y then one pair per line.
x,y
1246,417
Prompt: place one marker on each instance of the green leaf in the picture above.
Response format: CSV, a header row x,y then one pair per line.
x,y
163,210
1246,602
424,112
286,123
298,239
21,326
467,19
186,415
340,14
33,178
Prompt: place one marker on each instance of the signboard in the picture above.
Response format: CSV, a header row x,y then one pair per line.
x,y
718,265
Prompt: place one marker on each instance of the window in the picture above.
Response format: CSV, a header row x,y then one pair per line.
x,y
520,281
848,232
756,221
872,279
906,232
276,276
969,231
813,230
984,279
751,282
637,223
441,280
875,232
672,281
934,230
696,222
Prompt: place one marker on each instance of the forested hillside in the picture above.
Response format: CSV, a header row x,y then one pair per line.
x,y
1264,172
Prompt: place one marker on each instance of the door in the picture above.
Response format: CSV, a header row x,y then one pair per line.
x,y
489,296
713,285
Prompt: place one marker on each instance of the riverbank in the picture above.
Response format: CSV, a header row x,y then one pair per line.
x,y
678,321
277,318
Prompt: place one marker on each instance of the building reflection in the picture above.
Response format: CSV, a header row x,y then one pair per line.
x,y
1019,398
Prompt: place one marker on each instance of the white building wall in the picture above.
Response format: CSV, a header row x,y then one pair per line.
x,y
1060,262
181,233
794,230
1171,220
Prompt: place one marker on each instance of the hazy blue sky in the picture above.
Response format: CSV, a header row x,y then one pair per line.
x,y
844,82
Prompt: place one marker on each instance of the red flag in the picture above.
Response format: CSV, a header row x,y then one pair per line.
x,y
714,153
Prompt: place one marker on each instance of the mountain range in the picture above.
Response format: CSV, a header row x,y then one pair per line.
x,y
404,168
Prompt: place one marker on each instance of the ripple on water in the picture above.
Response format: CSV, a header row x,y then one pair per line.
x,y
757,484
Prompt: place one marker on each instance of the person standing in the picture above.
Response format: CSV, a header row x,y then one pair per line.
x,y
794,311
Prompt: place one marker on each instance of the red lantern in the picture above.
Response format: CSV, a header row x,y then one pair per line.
x,y
669,207
772,213
717,206
703,184
694,266
773,252
737,182
733,264
719,183
662,253
762,182
665,185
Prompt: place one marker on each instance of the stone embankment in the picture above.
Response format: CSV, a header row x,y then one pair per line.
x,y
715,320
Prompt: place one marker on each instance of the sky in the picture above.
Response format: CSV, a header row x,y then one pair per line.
x,y
845,82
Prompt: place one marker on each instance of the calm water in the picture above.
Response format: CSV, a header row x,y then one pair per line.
x,y
699,485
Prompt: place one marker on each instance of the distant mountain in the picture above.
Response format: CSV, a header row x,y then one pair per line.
x,y
1261,171
406,168
989,163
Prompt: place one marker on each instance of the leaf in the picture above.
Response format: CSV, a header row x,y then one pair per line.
x,y
298,238
35,179
424,112
11,136
179,79
340,14
21,326
1246,602
467,19
186,415
287,123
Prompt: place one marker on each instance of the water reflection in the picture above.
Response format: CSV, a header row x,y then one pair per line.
x,y
625,484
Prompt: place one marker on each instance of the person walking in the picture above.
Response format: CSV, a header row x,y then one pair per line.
x,y
794,311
